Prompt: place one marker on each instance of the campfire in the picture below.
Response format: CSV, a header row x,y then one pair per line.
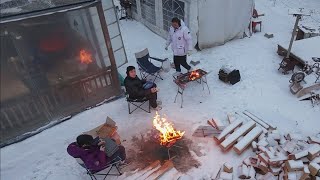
x,y
85,57
194,75
168,135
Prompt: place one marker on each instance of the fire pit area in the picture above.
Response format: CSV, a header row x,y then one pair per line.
x,y
162,143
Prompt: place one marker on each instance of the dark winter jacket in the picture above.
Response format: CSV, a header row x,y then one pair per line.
x,y
134,87
93,158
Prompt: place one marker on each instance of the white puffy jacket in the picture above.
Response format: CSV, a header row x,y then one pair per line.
x,y
180,40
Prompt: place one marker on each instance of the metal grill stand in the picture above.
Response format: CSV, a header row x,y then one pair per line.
x,y
182,84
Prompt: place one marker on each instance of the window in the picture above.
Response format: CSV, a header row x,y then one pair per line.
x,y
148,11
171,9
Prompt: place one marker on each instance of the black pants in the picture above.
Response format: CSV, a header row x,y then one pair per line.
x,y
180,60
153,97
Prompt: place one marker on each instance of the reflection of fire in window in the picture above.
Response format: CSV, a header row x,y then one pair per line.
x,y
85,57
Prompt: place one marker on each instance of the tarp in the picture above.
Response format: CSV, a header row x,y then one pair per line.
x,y
222,20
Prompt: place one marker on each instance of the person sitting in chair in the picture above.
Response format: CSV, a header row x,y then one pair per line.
x,y
139,89
92,152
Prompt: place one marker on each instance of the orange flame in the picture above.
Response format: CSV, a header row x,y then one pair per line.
x,y
85,57
168,134
194,75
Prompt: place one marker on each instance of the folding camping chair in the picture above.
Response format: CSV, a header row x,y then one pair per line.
x,y
145,65
114,164
138,103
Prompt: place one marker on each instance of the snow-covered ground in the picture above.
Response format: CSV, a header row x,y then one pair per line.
x,y
262,89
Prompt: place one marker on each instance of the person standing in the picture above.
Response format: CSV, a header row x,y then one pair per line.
x,y
181,44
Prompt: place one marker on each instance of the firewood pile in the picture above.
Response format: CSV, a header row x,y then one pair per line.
x,y
276,155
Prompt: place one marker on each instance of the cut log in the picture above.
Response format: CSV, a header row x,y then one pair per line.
x,y
271,141
263,158
263,142
283,140
316,160
275,170
314,169
247,161
263,167
247,139
313,151
262,136
278,159
290,147
293,165
275,135
305,160
243,171
228,142
306,173
226,176
254,146
256,119
254,161
227,168
252,173
301,154
262,149
268,176
269,154
163,169
314,140
228,130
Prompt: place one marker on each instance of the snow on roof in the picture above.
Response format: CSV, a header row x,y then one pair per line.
x,y
18,7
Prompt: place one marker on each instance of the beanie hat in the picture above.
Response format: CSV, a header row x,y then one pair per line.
x,y
130,68
84,139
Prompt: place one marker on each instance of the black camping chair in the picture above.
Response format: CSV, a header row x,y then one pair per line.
x,y
146,67
115,163
137,103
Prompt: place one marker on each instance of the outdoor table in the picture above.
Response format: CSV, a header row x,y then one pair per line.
x,y
182,81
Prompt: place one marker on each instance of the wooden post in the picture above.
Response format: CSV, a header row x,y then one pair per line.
x,y
104,28
293,34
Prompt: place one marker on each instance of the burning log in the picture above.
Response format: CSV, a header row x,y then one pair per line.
x,y
85,57
194,75
168,135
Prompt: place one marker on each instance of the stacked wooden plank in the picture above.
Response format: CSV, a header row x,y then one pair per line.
x,y
153,171
239,133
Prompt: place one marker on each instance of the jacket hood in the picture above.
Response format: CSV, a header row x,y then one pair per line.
x,y
182,24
